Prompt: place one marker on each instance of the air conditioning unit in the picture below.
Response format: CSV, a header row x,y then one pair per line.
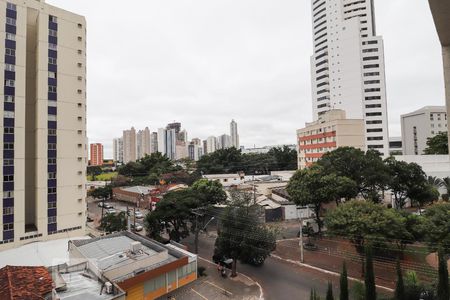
x,y
135,247
109,287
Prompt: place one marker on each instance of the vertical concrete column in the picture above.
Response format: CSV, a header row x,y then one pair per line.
x,y
446,56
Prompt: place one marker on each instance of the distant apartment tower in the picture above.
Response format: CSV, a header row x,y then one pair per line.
x,y
175,125
347,67
420,125
167,141
44,123
154,142
129,145
195,151
224,141
395,145
211,144
96,155
143,143
331,131
234,134
118,150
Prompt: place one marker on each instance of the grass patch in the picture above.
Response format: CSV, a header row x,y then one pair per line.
x,y
104,176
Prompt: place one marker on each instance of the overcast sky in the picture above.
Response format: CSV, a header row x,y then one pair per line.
x,y
205,62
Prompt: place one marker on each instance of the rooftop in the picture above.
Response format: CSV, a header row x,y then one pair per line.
x,y
427,109
25,283
82,287
138,189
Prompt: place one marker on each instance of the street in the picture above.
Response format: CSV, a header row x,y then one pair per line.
x,y
279,280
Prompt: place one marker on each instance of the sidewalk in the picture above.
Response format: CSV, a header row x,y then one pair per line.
x,y
214,286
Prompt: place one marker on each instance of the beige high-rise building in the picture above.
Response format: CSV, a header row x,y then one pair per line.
x,y
129,145
143,143
44,122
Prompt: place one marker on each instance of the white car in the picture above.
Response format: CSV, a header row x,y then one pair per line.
x,y
111,211
138,227
138,215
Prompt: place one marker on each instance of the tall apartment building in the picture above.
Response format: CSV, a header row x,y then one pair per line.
x,y
44,122
154,142
143,143
224,141
420,125
96,154
211,144
347,68
129,145
118,150
331,131
234,134
195,151
167,140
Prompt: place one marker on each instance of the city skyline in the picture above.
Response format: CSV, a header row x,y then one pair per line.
x,y
262,64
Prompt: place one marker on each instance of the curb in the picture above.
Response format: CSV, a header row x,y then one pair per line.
x,y
325,271
261,293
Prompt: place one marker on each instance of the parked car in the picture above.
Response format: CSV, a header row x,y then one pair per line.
x,y
110,211
222,260
138,215
104,205
138,227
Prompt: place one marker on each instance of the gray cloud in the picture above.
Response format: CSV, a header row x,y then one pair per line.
x,y
204,62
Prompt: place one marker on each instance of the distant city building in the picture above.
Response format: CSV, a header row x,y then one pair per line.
x,y
154,142
174,125
143,143
196,141
205,147
420,125
395,145
129,145
348,69
96,154
234,134
331,131
224,141
211,144
195,151
266,149
118,150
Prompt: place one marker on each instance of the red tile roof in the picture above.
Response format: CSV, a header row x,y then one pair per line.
x,y
20,283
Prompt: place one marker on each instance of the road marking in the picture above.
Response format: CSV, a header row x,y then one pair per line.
x,y
199,294
218,287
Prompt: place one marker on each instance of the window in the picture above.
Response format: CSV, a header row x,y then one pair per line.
x,y
80,38
373,106
155,284
9,67
80,78
51,190
52,175
52,103
51,220
375,114
80,25
80,118
51,146
52,61
80,65
374,122
375,130
370,58
10,52
52,161
8,226
53,19
8,211
8,194
52,118
10,36
79,91
52,75
11,6
8,162
52,205
52,32
8,130
10,83
372,90
9,98
10,21
8,114
375,138
52,132
8,178
52,46
8,146
371,66
52,89
80,51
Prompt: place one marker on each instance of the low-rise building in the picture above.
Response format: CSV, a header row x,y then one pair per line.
x,y
395,145
420,125
143,268
331,131
17,282
227,179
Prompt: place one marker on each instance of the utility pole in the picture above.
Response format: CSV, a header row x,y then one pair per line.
x,y
197,229
301,236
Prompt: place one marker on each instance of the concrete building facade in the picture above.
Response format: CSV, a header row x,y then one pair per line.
x,y
211,144
143,143
96,155
331,131
234,134
420,125
44,122
347,67
118,150
395,145
129,145
154,142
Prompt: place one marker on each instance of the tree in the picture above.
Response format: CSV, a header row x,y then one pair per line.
x,y
437,144
375,176
399,287
436,226
343,283
314,187
425,195
209,192
94,171
443,292
103,192
329,292
285,158
221,161
406,180
242,237
112,223
369,278
446,185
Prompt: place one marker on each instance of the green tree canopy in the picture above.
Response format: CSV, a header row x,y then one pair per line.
x,y
155,163
437,144
112,222
436,226
209,192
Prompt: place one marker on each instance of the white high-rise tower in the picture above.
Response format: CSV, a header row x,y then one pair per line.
x,y
234,134
347,67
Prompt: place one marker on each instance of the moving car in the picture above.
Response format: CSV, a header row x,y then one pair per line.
x,y
138,227
222,260
110,211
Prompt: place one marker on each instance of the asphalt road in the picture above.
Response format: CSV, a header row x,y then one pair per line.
x,y
280,280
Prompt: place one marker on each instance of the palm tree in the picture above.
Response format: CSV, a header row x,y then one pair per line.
x,y
436,182
446,184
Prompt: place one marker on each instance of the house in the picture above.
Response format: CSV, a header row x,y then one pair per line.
x,y
143,268
227,180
